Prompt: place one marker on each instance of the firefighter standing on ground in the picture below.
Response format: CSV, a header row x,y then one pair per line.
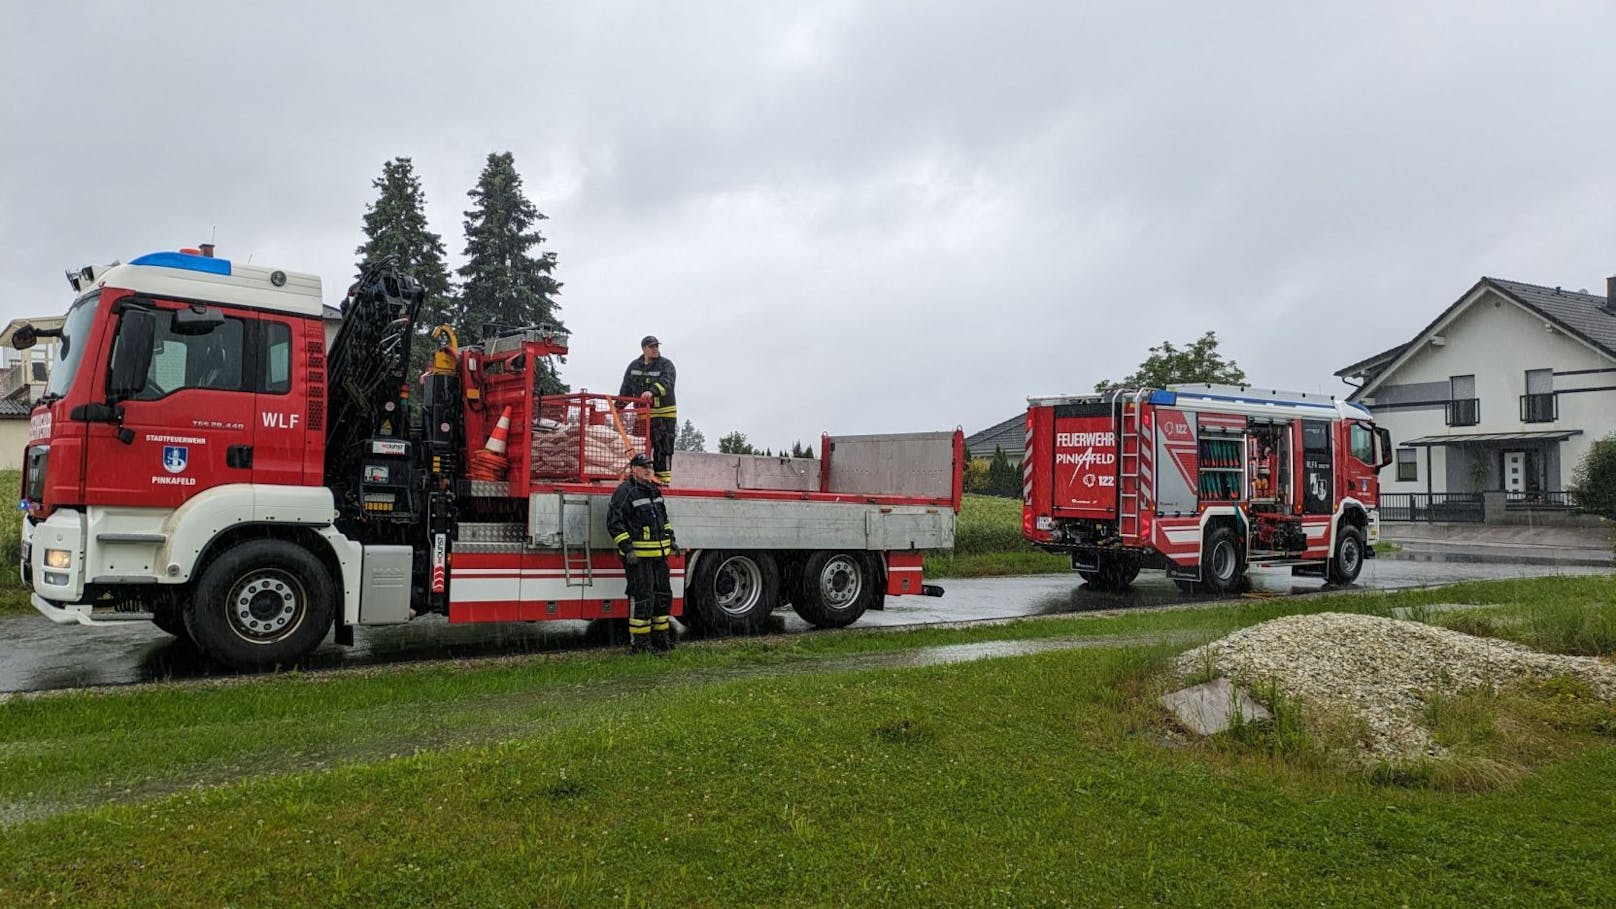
x,y
651,375
637,519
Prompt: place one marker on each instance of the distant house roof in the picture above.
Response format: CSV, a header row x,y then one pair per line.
x,y
11,408
1010,435
1584,316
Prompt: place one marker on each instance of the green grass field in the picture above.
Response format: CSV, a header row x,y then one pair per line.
x,y
988,543
808,770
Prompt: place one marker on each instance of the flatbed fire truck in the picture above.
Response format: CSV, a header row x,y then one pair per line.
x,y
217,457
1203,481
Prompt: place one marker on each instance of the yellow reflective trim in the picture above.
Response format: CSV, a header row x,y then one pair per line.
x,y
670,411
635,623
620,537
661,624
659,389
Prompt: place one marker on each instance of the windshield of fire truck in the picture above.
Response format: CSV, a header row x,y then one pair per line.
x,y
70,346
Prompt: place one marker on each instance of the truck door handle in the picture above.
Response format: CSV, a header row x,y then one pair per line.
x,y
238,456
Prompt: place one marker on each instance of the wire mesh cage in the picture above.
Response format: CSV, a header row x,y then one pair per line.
x,y
584,437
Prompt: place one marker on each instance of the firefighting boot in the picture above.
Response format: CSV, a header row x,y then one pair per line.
x,y
639,636
661,634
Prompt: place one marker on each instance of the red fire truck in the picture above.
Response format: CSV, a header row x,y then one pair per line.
x,y
1203,481
217,456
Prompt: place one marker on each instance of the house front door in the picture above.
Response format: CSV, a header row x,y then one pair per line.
x,y
1514,471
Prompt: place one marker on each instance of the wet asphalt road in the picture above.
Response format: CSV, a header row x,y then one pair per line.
x,y
37,655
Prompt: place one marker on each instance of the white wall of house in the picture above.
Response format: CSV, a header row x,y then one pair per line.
x,y
13,439
1497,341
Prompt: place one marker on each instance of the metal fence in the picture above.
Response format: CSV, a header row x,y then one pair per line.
x,y
1539,499
1456,507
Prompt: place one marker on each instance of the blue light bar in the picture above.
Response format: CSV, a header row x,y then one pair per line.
x,y
1164,397
186,261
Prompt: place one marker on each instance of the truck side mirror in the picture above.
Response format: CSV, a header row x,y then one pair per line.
x,y
24,337
1384,437
131,354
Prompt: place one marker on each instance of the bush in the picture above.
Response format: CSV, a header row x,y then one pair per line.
x,y
976,474
1593,484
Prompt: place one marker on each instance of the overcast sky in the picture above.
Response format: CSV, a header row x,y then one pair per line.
x,y
851,217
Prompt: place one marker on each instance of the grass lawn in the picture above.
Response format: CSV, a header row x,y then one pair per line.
x,y
987,542
786,771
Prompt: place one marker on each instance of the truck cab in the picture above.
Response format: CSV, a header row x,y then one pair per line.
x,y
184,410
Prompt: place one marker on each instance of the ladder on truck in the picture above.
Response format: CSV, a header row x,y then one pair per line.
x,y
577,564
1128,462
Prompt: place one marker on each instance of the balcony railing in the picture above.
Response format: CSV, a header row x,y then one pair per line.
x,y
1544,408
13,378
1464,412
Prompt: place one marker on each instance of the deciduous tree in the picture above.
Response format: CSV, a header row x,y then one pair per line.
x,y
1169,364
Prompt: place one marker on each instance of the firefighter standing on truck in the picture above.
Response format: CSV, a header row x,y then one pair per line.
x,y
637,519
651,375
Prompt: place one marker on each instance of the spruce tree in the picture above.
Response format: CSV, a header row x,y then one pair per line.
x,y
395,226
690,438
506,280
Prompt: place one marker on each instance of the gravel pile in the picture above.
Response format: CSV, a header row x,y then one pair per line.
x,y
1381,670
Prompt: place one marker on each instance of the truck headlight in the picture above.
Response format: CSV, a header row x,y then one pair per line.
x,y
58,558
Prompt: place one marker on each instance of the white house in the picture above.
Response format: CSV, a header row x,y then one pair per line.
x,y
1507,389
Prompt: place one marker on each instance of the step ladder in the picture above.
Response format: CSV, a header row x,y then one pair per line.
x,y
577,565
1128,491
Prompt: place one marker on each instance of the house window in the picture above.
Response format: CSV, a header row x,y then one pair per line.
x,y
1464,409
1539,405
1408,465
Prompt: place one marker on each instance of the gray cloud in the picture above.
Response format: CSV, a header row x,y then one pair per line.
x,y
852,216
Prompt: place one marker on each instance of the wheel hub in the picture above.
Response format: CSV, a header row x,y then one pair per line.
x,y
839,582
263,605
738,583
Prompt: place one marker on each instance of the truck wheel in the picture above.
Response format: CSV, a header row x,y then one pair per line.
x,y
171,619
261,603
1117,574
836,588
1222,563
1348,560
733,592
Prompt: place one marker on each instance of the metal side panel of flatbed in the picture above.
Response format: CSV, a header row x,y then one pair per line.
x,y
701,522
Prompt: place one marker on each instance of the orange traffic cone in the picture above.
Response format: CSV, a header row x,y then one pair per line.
x,y
491,463
502,431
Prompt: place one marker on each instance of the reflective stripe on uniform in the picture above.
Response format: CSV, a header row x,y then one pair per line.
x,y
669,412
620,537
660,623
653,547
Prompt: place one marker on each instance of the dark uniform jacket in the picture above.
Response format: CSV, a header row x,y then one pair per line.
x,y
637,519
657,377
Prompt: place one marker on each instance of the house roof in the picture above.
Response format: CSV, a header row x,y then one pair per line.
x,y
1580,315
1480,438
1011,435
13,408
1368,364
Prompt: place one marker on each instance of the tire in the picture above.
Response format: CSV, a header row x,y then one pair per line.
x,y
733,591
171,619
1113,574
835,589
261,603
1349,557
1222,562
